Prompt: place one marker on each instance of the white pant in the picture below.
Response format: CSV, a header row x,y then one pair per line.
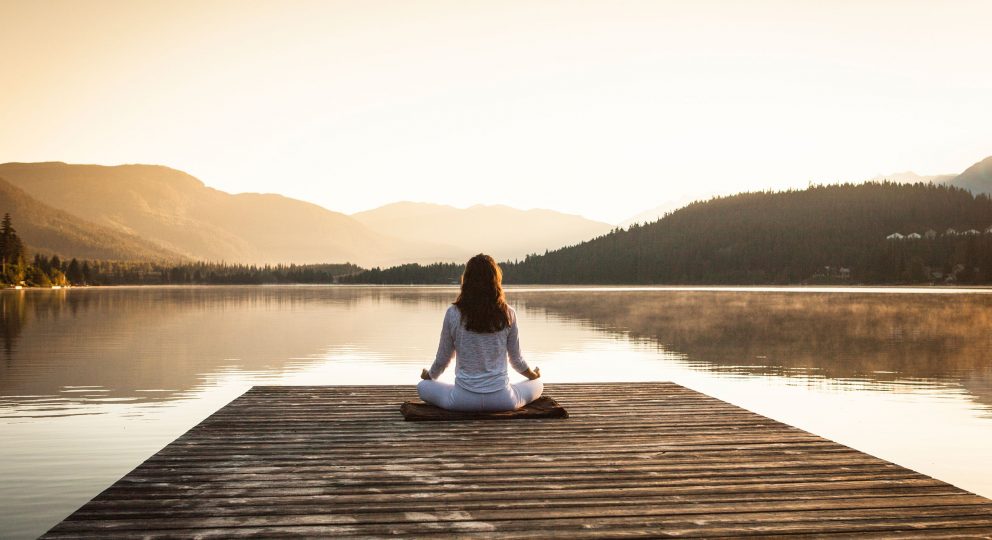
x,y
455,398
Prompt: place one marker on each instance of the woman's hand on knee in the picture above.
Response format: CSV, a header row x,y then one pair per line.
x,y
532,373
425,375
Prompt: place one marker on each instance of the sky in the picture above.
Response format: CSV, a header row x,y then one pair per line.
x,y
603,109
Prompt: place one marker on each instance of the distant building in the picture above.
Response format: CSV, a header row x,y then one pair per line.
x,y
989,230
895,236
831,274
914,236
971,232
931,234
950,232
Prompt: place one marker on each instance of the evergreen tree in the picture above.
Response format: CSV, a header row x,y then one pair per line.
x,y
12,265
41,262
74,273
5,229
11,247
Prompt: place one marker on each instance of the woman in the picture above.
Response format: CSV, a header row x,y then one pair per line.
x,y
480,330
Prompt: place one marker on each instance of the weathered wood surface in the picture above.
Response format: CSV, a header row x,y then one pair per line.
x,y
633,460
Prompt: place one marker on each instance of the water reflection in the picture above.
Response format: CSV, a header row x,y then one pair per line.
x,y
12,317
879,337
152,344
96,380
854,336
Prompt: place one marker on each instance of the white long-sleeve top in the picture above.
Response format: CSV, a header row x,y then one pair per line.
x,y
481,358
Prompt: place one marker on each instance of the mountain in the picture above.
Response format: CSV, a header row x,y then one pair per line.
x,y
49,231
977,178
179,213
503,232
783,237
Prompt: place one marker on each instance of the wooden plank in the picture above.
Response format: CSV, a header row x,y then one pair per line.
x,y
633,460
626,526
753,514
427,489
531,499
531,509
442,492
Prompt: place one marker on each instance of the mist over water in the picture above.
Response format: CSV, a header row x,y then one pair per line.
x,y
93,381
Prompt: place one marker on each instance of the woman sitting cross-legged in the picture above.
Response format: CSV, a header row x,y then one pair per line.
x,y
480,332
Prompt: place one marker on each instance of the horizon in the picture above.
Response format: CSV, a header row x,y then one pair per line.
x,y
660,102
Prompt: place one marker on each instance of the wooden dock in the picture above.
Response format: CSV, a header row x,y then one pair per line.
x,y
633,460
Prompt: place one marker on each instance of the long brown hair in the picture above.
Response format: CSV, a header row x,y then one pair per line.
x,y
481,300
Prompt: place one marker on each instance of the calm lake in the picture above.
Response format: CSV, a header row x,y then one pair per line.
x,y
93,381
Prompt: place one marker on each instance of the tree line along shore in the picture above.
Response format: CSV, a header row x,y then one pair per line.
x,y
875,233
20,270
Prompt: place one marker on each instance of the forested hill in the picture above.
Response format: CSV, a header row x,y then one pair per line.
x,y
783,237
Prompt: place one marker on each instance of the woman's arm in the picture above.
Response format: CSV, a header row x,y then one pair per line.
x,y
445,348
513,351
532,373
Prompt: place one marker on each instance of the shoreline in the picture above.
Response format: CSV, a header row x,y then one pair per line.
x,y
544,287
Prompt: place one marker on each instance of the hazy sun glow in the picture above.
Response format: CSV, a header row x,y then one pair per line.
x,y
356,104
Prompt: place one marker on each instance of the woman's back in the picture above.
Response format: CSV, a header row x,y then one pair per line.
x,y
481,357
